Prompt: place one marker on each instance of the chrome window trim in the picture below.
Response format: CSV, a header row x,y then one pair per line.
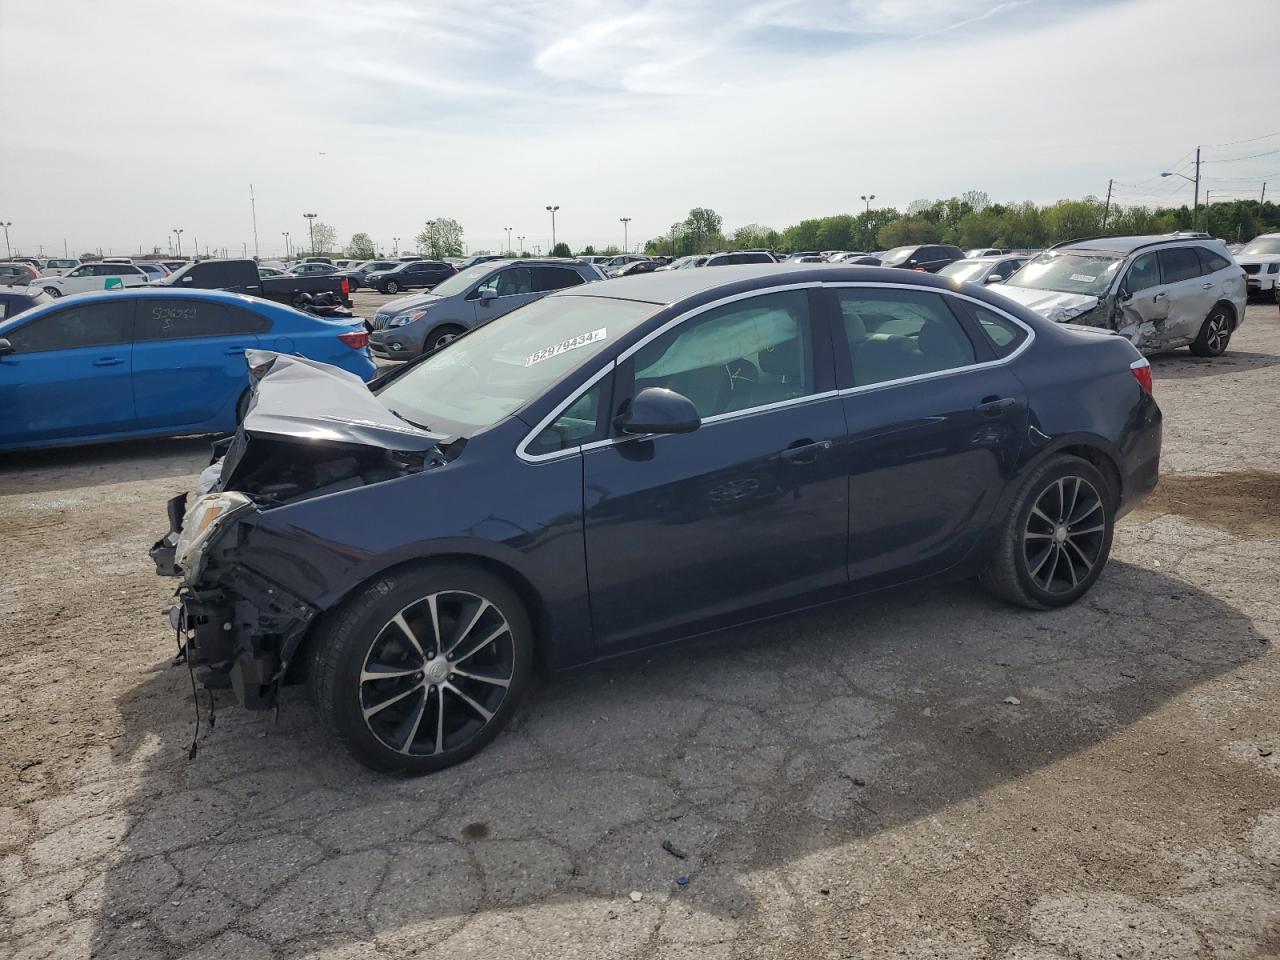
x,y
985,365
546,421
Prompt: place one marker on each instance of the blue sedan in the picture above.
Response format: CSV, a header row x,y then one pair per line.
x,y
141,363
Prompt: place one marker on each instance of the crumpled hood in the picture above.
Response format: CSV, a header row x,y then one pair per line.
x,y
1050,304
307,400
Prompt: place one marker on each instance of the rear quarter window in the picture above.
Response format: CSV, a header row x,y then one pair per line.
x,y
1003,335
1211,262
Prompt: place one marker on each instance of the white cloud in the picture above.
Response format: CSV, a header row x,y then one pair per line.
x,y
122,123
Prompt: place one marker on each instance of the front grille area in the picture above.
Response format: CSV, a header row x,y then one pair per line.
x,y
1252,268
380,321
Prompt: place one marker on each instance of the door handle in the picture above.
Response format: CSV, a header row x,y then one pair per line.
x,y
994,407
107,362
805,451
1159,296
1205,286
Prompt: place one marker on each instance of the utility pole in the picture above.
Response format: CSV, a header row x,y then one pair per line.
x,y
625,221
67,256
673,241
1262,199
311,228
1195,211
253,205
1106,211
552,210
521,239
177,232
6,224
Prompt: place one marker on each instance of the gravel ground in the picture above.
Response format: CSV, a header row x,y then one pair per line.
x,y
923,774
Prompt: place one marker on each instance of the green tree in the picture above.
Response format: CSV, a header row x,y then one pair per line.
x,y
440,238
703,226
361,247
561,249
908,230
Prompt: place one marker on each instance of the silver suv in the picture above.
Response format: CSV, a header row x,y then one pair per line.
x,y
409,326
1160,292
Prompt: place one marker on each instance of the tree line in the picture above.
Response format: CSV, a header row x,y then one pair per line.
x,y
970,220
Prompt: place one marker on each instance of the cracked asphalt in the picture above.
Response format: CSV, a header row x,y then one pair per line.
x,y
926,773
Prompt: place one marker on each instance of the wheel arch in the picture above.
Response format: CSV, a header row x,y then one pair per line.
x,y
1231,312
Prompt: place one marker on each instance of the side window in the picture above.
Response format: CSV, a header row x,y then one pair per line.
x,y
1004,334
1211,262
742,355
1007,269
1144,273
557,278
181,319
1179,263
894,334
91,325
511,282
581,422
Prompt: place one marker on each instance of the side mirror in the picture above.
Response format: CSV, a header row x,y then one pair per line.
x,y
658,410
994,278
487,294
6,347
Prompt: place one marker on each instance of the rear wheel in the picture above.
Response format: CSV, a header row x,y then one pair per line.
x,y
442,336
391,286
53,292
1215,334
423,667
1057,537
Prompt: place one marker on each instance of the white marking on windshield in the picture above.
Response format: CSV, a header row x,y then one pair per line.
x,y
581,340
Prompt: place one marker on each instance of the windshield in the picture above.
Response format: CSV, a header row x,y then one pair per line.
x,y
460,281
1263,246
173,278
898,255
963,270
61,264
498,368
1087,273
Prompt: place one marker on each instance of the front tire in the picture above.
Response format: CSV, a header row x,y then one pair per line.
x,y
423,667
1214,335
1057,537
442,336
53,292
391,286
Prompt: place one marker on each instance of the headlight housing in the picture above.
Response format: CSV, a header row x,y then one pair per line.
x,y
400,319
202,521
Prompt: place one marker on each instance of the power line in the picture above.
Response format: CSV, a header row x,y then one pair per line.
x,y
1234,143
1252,156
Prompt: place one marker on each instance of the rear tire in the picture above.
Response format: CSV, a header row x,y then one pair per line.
x,y
1214,335
455,648
1057,537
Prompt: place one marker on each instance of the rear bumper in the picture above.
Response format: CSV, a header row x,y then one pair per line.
x,y
1141,466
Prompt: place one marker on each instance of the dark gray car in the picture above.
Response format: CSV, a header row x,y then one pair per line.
x,y
409,326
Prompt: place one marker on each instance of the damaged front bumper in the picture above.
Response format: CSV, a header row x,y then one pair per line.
x,y
239,629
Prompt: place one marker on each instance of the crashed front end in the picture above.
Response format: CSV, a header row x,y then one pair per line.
x,y
311,430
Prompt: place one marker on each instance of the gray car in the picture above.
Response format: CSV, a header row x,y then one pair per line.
x,y
409,326
1160,292
994,269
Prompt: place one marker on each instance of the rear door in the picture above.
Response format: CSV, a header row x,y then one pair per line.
x,y
70,374
189,366
936,420
1191,294
549,279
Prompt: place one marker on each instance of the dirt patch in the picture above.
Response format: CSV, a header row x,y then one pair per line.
x,y
1245,504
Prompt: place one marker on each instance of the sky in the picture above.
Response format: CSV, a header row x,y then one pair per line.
x,y
124,120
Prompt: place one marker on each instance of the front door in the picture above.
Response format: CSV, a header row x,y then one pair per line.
x,y
745,514
1144,302
69,375
935,426
188,361
511,288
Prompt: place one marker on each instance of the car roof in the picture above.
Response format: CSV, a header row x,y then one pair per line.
x,y
169,293
669,286
1126,245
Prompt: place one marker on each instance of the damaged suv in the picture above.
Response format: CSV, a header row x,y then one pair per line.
x,y
636,461
1159,292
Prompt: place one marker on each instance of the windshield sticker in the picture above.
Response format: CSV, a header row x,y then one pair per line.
x,y
1083,278
573,343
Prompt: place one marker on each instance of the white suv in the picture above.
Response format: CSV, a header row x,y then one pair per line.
x,y
95,276
1261,261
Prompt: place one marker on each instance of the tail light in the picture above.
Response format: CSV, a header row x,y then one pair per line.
x,y
359,339
1141,369
346,287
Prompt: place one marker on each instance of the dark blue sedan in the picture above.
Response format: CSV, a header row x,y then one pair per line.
x,y
640,460
136,363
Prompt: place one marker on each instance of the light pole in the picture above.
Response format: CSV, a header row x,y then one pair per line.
x,y
288,251
177,232
1195,210
431,236
6,224
552,210
508,229
867,198
625,245
311,228
521,239
395,246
